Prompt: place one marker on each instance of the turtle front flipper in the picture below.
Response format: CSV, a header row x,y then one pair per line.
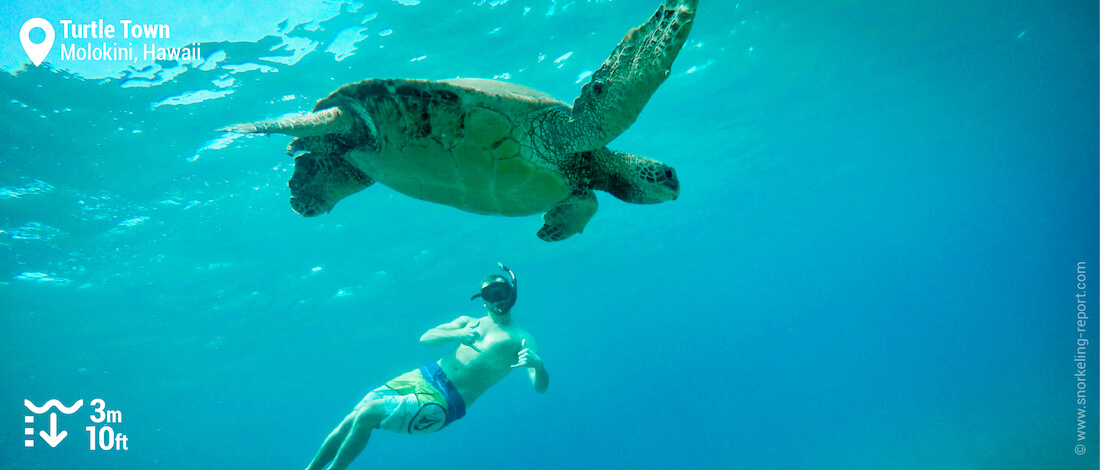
x,y
569,217
615,95
320,180
327,121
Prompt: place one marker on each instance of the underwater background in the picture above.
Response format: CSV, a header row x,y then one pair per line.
x,y
873,262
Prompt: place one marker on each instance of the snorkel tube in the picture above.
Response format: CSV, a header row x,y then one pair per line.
x,y
515,282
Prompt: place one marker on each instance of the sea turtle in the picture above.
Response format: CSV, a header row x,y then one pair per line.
x,y
491,147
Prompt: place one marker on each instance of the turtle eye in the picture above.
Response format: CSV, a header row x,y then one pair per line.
x,y
597,88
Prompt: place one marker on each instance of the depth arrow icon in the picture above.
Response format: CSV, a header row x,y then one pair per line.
x,y
53,438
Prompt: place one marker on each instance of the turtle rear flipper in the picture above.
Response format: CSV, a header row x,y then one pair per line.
x,y
614,97
569,217
320,180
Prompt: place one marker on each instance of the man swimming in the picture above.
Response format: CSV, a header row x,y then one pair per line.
x,y
428,399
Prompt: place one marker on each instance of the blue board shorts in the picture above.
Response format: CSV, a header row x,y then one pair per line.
x,y
420,401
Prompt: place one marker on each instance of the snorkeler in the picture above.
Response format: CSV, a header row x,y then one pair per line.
x,y
432,397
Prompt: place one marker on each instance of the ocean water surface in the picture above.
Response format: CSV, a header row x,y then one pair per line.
x,y
884,253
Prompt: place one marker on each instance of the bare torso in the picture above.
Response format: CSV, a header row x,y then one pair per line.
x,y
473,372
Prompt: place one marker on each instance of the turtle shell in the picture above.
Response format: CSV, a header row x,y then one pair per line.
x,y
465,143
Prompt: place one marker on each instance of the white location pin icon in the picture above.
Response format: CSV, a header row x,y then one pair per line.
x,y
36,52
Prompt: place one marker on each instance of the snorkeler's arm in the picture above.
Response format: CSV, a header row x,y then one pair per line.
x,y
458,330
528,357
540,379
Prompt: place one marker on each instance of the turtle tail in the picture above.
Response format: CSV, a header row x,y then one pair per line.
x,y
318,123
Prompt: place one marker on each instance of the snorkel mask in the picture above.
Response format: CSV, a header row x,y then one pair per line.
x,y
498,292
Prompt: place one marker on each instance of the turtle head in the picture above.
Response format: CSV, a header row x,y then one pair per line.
x,y
632,178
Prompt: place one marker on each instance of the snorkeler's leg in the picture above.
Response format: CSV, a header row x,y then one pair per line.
x,y
367,418
332,443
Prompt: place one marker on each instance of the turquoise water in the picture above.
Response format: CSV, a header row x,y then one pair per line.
x,y
872,264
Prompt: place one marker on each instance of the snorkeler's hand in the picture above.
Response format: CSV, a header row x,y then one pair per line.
x,y
527,358
468,335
